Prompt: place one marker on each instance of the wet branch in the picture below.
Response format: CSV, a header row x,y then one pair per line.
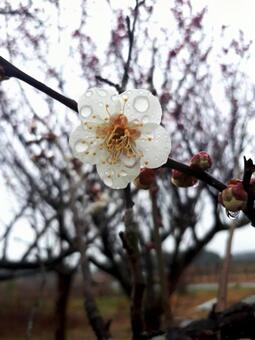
x,y
8,70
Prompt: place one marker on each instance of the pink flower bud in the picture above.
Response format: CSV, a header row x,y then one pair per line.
x,y
201,160
234,197
145,179
182,180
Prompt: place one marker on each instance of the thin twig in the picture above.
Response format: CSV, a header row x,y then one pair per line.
x,y
160,257
8,70
131,37
108,82
130,243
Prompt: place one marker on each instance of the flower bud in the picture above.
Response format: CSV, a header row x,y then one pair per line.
x,y
234,197
145,179
182,180
201,160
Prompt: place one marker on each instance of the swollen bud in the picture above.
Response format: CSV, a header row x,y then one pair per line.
x,y
180,179
234,197
201,160
145,179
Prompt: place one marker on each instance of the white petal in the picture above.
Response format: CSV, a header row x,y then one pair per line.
x,y
94,102
85,146
117,176
141,105
155,145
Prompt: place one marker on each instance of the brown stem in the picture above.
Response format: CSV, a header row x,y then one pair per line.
x,y
95,319
64,281
160,258
130,243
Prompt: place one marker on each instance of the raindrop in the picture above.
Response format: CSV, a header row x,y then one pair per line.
x,y
88,93
123,173
136,121
108,181
145,119
141,104
129,162
86,111
81,146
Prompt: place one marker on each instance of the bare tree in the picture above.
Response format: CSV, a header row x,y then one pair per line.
x,y
62,201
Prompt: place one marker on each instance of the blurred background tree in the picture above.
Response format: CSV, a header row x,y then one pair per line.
x,y
66,214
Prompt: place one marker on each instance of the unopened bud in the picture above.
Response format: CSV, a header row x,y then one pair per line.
x,y
180,179
234,197
145,179
201,160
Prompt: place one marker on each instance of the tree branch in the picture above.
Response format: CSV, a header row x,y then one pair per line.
x,y
8,70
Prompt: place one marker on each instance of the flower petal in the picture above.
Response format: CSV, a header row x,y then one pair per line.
x,y
117,176
85,146
94,102
155,145
141,105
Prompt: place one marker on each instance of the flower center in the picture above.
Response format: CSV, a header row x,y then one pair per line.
x,y
119,137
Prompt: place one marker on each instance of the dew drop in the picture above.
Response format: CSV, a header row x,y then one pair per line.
x,y
145,119
123,173
81,146
141,104
88,93
86,111
136,121
129,162
108,181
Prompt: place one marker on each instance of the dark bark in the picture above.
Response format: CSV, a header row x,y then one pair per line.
x,y
236,322
152,303
64,282
130,242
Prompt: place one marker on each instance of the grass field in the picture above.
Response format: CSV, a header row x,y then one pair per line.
x,y
17,301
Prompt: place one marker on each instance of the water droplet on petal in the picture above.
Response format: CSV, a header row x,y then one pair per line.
x,y
136,121
81,146
108,181
141,103
86,111
88,93
123,173
100,104
129,162
145,119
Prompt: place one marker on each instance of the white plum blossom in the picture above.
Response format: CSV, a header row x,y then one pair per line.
x,y
120,134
